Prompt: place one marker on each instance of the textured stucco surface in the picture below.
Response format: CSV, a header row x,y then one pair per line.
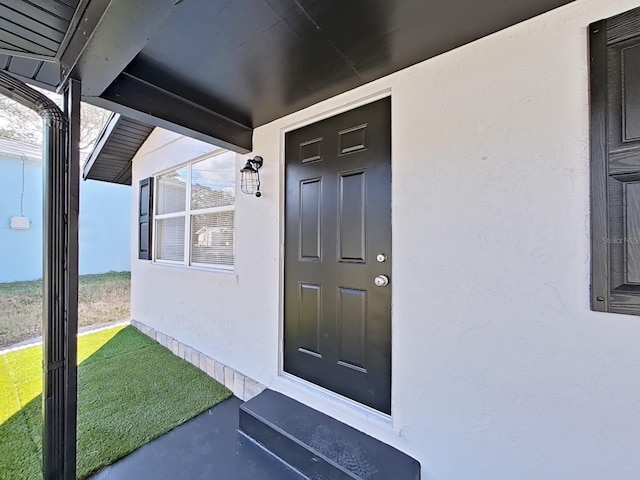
x,y
500,371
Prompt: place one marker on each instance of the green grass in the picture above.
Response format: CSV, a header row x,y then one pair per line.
x,y
131,390
103,298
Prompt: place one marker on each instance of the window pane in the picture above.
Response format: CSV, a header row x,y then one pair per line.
x,y
171,196
213,181
212,238
170,239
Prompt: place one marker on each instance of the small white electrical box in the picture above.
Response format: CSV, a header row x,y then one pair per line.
x,y
20,223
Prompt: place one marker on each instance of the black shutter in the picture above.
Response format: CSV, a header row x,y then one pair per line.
x,y
615,164
145,219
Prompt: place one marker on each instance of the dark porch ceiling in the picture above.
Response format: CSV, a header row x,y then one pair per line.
x,y
215,70
255,61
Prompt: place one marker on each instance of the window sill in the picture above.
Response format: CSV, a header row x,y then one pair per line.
x,y
194,268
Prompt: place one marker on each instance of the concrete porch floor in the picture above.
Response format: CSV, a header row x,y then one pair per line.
x,y
205,447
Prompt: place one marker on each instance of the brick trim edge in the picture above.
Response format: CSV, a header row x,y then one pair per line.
x,y
242,386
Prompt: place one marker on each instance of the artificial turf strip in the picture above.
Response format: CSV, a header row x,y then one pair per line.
x,y
131,390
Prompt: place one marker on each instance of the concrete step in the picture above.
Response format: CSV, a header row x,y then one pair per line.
x,y
319,446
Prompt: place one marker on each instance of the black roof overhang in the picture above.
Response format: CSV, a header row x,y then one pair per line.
x,y
214,70
117,144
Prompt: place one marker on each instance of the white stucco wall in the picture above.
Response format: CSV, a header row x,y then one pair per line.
x,y
500,370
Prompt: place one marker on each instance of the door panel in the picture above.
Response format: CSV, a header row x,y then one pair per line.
x,y
352,324
338,219
352,217
310,302
310,225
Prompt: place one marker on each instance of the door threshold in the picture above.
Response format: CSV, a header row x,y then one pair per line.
x,y
285,382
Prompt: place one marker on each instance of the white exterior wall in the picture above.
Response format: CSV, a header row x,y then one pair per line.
x,y
500,370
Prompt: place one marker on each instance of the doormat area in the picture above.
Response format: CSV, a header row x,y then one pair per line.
x,y
131,390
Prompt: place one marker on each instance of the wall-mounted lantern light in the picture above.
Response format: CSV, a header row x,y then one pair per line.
x,y
250,180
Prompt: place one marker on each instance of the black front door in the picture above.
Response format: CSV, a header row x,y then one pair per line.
x,y
337,331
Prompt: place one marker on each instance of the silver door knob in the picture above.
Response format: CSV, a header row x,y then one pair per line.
x,y
381,281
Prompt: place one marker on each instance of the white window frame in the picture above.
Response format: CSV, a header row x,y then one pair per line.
x,y
188,213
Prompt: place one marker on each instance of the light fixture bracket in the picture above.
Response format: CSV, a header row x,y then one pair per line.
x,y
254,163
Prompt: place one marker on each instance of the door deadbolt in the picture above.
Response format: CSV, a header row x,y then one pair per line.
x,y
381,258
381,281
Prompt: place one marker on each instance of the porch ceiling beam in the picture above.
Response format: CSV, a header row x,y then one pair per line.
x,y
143,101
109,35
